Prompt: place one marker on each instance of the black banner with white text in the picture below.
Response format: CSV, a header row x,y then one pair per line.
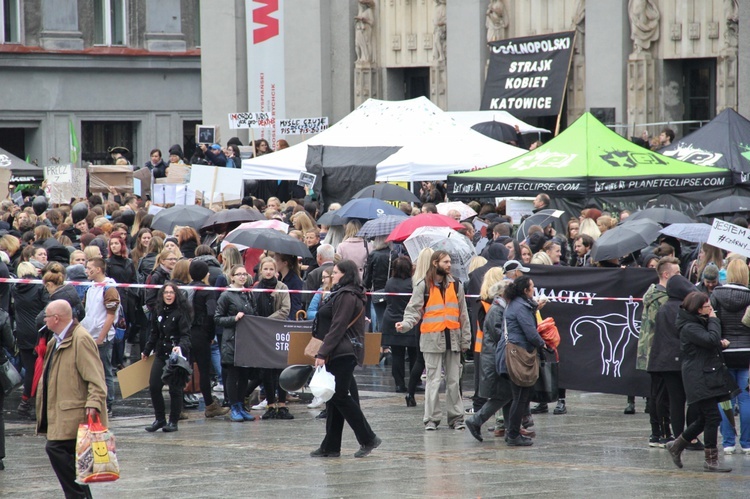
x,y
526,76
262,342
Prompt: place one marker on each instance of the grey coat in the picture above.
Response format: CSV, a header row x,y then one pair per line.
x,y
491,383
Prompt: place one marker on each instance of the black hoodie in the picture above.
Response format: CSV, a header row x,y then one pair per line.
x,y
665,349
29,300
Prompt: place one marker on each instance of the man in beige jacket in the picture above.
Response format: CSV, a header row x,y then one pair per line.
x,y
71,388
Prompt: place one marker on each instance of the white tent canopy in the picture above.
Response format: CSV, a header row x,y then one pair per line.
x,y
471,118
432,144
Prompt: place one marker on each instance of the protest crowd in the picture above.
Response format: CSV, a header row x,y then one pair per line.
x,y
437,305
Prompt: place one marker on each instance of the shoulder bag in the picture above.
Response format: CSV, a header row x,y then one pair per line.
x,y
523,366
313,346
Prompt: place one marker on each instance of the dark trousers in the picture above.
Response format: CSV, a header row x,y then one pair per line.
x,y
521,398
707,422
236,384
28,358
398,365
343,407
155,385
477,401
676,394
270,379
201,353
2,427
658,406
415,375
62,457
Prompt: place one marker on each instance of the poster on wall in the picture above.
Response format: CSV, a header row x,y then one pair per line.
x,y
265,60
526,76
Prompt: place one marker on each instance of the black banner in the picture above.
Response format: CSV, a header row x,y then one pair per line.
x,y
262,342
598,337
526,76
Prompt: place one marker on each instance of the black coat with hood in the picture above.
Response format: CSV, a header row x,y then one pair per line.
x,y
703,371
70,295
331,324
665,349
29,300
729,302
204,308
214,267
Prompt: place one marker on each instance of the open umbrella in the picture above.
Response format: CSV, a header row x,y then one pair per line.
x,y
267,239
446,239
541,218
496,130
367,208
625,239
388,192
423,237
181,215
224,217
381,226
330,218
409,225
664,216
465,210
694,232
726,206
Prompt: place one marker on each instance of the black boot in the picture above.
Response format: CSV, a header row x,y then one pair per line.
x,y
675,448
156,425
170,427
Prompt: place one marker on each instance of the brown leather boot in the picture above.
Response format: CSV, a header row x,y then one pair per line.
x,y
712,462
215,409
675,449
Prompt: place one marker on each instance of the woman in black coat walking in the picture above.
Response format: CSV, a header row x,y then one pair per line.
x,y
170,332
400,343
120,268
376,275
340,323
705,377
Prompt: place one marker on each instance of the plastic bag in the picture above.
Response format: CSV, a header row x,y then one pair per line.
x,y
96,457
323,384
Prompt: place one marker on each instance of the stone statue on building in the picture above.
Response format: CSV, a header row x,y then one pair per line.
x,y
731,13
440,31
644,24
497,20
363,25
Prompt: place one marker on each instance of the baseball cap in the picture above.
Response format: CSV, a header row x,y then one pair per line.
x,y
215,146
514,265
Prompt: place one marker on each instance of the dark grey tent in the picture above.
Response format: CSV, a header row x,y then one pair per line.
x,y
723,142
343,171
23,172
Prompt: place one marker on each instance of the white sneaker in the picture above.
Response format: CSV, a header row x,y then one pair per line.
x,y
260,407
218,388
746,451
729,450
316,403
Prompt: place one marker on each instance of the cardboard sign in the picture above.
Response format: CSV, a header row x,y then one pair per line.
x,y
206,134
302,126
299,340
64,182
239,121
102,177
217,180
730,237
146,179
134,378
173,194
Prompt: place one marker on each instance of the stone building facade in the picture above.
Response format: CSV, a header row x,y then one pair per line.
x,y
122,72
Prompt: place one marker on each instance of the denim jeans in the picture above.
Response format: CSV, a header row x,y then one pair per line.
x,y
743,399
216,357
105,354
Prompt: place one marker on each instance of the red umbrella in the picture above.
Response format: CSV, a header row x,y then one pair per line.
x,y
405,228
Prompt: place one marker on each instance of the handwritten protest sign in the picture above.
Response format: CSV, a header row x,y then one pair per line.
x,y
251,120
217,180
173,194
64,182
302,126
729,237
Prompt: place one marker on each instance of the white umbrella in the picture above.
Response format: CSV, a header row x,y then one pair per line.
x,y
446,239
464,209
423,237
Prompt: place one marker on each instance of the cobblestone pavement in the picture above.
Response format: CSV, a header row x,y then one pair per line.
x,y
593,451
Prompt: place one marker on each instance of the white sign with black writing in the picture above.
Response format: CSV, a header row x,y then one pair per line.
x,y
730,237
64,182
251,120
306,179
302,126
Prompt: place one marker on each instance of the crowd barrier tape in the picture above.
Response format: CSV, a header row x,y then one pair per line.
x,y
10,280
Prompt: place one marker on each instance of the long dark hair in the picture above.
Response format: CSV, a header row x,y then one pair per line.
x,y
351,273
517,288
438,255
180,301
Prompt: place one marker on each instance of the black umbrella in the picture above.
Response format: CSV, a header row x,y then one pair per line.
x,y
236,215
726,206
496,130
181,215
664,216
268,239
332,218
388,192
542,218
177,370
625,239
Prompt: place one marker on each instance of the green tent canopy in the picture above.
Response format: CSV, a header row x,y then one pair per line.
x,y
587,159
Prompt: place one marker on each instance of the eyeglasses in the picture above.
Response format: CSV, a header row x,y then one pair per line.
x,y
168,292
51,315
241,274
171,259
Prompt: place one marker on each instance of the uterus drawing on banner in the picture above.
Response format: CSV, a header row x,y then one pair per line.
x,y
614,332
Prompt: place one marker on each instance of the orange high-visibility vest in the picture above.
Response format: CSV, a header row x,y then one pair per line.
x,y
480,333
440,315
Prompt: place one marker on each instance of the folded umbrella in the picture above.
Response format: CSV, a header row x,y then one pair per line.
x,y
693,232
177,370
381,226
728,205
410,224
181,215
267,239
388,192
233,216
625,239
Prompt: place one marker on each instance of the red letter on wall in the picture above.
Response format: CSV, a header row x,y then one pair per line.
x,y
269,25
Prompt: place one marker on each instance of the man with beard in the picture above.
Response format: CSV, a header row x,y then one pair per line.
x,y
439,302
